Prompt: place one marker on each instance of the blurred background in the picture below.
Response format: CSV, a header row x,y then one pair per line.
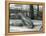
x,y
25,17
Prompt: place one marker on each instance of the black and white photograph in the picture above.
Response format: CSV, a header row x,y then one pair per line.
x,y
25,17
